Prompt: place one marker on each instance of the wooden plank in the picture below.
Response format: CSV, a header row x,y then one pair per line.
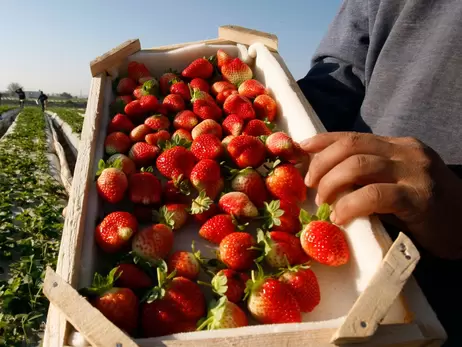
x,y
114,57
74,225
181,45
374,302
247,36
92,324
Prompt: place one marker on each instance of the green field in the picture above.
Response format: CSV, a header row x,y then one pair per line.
x,y
71,117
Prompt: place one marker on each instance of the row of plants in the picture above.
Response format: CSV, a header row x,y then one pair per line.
x,y
6,108
30,229
71,117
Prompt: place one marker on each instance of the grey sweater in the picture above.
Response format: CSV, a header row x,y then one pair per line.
x,y
394,68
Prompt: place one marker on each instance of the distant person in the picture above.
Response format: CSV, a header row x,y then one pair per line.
x,y
22,96
1,98
43,100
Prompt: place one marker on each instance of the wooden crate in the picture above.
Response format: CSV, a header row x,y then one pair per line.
x,y
368,320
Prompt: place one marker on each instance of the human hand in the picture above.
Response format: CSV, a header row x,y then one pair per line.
x,y
399,176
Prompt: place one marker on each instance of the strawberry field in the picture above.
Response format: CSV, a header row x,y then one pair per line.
x,y
71,116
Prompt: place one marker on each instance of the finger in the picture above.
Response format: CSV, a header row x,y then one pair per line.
x,y
319,142
356,170
340,150
383,198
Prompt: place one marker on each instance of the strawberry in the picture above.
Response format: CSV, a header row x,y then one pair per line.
x,y
153,242
149,103
230,283
283,216
165,82
138,92
139,133
157,122
117,142
270,301
137,70
207,146
176,161
118,105
238,204
322,240
143,154
202,211
304,285
206,175
246,151
208,126
220,86
115,231
224,315
204,105
173,215
218,227
119,305
279,248
183,134
154,139
177,191
131,276
185,264
180,88
112,182
144,188
185,120
222,96
265,107
120,123
126,86
233,125
281,145
199,68
126,164
239,105
236,251
225,142
236,72
200,84
174,103
251,89
285,182
223,58
162,109
150,87
249,182
134,109
257,127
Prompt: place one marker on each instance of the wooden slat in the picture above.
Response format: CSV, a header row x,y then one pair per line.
x,y
114,57
375,301
181,45
247,36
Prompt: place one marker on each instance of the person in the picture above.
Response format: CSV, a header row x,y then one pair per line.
x,y
1,98
43,100
386,83
22,97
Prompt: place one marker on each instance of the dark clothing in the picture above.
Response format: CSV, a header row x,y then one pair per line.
x,y
42,98
394,68
21,94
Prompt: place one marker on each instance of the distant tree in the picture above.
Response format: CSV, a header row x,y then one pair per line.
x,y
65,95
13,86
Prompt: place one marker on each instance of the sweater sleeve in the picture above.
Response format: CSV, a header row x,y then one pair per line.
x,y
334,86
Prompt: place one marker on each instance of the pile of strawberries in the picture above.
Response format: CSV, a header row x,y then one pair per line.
x,y
207,153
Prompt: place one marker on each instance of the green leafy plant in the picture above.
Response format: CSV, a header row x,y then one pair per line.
x,y
71,117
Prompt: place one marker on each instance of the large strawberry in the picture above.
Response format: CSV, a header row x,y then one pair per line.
x,y
173,215
207,146
323,241
112,182
149,103
126,164
199,68
183,135
230,283
285,182
247,151
203,208
181,88
185,120
218,227
265,107
281,145
250,182
143,154
144,188
157,122
117,142
126,86
155,138
223,58
233,125
206,175
176,161
137,71
200,84
153,242
238,204
174,103
239,105
131,276
222,96
251,89
165,81
204,105
134,109
138,134
221,86
282,215
115,231
185,264
208,126
257,127
280,248
237,251
236,72
120,123
224,315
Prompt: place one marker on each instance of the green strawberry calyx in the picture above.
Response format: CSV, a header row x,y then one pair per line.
x,y
175,141
159,291
200,204
182,184
215,315
271,214
164,216
150,87
147,169
257,278
102,165
322,214
206,264
293,268
196,94
101,284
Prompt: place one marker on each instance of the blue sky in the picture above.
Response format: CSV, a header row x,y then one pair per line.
x,y
49,44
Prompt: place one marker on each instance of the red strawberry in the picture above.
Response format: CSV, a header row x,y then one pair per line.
x,y
225,142
139,133
282,216
134,109
131,276
304,286
138,92
238,204
247,151
271,301
165,82
249,182
207,146
185,120
236,72
183,134
323,241
251,89
162,109
281,145
239,105
280,248
185,264
153,139
256,127
115,230
153,243
176,161
236,251
208,126
126,86
220,86
223,58
224,315
222,96
206,176
174,215
199,68
144,188
117,142
118,105
200,84
177,191
265,107
126,164
111,183
143,154
137,70
203,208
204,105
157,122
233,125
174,103
181,88
285,182
218,227
230,283
149,103
120,123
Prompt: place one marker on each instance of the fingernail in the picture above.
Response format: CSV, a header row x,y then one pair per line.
x,y
317,200
305,143
333,217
